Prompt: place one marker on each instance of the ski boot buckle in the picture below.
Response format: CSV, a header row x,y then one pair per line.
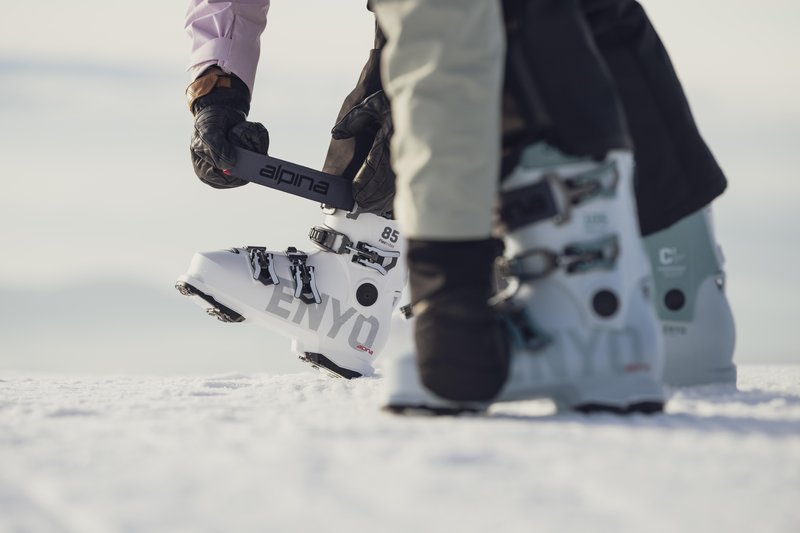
x,y
262,265
305,284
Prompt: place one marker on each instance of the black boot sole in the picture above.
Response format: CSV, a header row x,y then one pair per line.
x,y
217,310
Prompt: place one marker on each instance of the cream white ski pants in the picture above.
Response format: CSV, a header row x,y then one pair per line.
x,y
442,69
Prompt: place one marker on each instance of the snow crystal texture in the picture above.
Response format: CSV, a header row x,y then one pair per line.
x,y
305,452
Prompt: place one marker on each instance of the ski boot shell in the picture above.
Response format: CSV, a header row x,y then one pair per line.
x,y
582,314
578,301
335,302
698,325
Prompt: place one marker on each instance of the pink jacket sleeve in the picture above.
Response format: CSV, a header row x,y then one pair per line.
x,y
226,33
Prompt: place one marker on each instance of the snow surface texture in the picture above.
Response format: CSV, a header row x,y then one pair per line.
x,y
305,452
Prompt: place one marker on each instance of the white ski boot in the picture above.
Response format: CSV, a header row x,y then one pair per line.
x,y
582,322
335,303
699,331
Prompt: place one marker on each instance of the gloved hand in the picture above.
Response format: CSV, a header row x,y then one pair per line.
x,y
220,103
373,185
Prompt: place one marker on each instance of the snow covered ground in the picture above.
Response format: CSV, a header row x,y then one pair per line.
x,y
304,452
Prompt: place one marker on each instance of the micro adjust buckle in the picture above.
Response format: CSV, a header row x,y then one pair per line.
x,y
371,257
305,284
262,265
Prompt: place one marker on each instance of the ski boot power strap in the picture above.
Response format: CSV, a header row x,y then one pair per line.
x,y
334,191
553,197
363,253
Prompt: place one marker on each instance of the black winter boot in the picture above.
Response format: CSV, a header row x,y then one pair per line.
x,y
463,353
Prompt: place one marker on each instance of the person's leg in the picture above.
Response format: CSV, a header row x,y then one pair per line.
x,y
557,88
442,70
677,174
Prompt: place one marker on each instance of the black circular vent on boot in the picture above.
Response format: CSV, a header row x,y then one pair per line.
x,y
605,303
367,294
675,299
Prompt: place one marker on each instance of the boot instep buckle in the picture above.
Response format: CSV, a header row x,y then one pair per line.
x,y
371,257
262,265
303,278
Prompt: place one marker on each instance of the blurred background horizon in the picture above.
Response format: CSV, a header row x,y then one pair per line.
x,y
101,211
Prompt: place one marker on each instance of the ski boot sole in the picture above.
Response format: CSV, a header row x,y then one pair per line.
x,y
322,363
426,410
219,311
638,408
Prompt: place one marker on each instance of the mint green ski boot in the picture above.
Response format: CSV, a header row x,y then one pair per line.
x,y
699,331
579,298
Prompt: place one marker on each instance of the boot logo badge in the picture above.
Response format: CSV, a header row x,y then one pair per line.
x,y
669,256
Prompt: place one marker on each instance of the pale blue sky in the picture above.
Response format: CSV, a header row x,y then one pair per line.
x,y
100,198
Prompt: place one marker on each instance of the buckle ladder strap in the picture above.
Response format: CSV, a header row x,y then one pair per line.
x,y
262,265
595,255
552,197
576,258
371,257
305,283
364,254
407,311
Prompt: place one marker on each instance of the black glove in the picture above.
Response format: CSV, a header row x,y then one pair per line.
x,y
373,185
220,103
